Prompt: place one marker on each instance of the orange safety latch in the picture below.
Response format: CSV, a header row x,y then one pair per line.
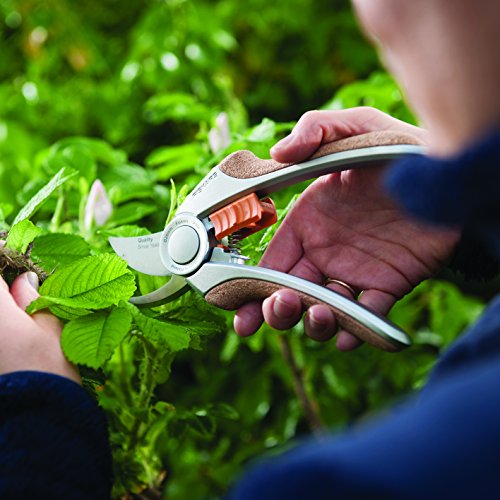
x,y
247,215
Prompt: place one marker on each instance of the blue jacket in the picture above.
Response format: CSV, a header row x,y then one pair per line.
x,y
53,441
446,442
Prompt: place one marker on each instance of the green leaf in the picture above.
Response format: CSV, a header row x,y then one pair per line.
x,y
68,313
94,282
90,340
264,132
74,156
168,154
5,210
100,150
173,337
32,206
52,250
81,153
172,161
130,231
175,106
450,311
174,169
127,182
222,410
131,212
201,319
148,283
203,425
21,235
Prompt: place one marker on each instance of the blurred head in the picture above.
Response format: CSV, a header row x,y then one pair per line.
x,y
446,56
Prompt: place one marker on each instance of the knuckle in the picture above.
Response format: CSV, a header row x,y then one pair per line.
x,y
311,118
368,112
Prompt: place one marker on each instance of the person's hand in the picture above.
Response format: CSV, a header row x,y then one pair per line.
x,y
29,342
344,227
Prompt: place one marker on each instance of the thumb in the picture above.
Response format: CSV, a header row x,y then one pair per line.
x,y
24,290
315,128
297,146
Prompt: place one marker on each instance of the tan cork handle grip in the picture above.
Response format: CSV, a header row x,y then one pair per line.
x,y
231,295
245,165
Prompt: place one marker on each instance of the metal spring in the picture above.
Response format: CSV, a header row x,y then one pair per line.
x,y
234,243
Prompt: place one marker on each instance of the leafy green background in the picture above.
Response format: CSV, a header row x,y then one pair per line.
x,y
126,92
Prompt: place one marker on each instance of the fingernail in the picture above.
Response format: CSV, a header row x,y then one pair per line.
x,y
33,280
317,320
282,309
283,143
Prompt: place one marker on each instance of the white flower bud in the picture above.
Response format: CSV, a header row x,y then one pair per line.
x,y
219,137
98,207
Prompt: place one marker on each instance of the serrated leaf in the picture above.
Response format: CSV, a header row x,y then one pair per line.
x,y
198,325
53,250
21,235
90,340
94,282
172,336
197,317
68,313
175,338
58,180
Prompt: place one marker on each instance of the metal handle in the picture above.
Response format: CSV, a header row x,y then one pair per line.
x,y
229,286
243,173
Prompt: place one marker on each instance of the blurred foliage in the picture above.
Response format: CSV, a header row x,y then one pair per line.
x,y
127,92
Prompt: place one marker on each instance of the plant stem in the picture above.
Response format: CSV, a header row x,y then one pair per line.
x,y
309,406
145,392
55,222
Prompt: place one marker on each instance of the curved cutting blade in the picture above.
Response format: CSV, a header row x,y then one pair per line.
x,y
176,286
142,253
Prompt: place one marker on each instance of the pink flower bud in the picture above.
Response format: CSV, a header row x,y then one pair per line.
x,y
98,207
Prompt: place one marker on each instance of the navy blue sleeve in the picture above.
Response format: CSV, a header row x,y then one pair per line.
x,y
53,439
460,191
446,443
444,446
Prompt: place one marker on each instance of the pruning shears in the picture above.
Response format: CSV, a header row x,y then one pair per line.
x,y
199,247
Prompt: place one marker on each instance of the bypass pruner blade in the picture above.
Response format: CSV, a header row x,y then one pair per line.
x,y
230,201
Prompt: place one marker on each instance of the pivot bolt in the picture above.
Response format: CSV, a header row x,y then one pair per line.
x,y
183,245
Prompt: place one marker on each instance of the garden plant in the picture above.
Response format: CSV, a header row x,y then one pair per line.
x,y
108,117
